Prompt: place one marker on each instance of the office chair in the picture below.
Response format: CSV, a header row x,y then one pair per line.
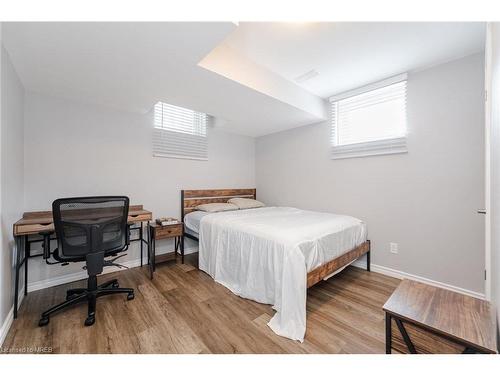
x,y
89,230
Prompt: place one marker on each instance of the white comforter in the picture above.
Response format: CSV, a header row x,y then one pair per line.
x,y
265,254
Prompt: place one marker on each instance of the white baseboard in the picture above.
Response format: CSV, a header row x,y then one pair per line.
x,y
9,319
190,250
360,263
403,275
6,325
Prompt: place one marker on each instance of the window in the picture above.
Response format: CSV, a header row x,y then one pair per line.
x,y
370,120
179,132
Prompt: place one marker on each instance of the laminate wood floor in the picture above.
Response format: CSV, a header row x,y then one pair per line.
x,y
184,311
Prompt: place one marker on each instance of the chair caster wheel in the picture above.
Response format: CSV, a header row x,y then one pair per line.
x,y
130,296
90,320
43,321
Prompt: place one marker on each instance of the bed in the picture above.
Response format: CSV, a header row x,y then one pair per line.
x,y
272,254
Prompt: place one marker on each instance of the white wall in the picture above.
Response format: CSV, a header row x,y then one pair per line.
x,y
74,149
425,200
494,98
3,288
12,183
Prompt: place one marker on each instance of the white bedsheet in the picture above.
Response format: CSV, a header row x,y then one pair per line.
x,y
264,254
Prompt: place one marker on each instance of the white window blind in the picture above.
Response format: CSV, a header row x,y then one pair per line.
x,y
370,120
179,132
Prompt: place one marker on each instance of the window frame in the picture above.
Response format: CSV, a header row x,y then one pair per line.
x,y
387,146
185,138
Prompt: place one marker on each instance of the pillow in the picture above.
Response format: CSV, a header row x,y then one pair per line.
x,y
244,203
216,207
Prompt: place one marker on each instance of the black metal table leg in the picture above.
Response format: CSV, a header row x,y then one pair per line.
x,y
19,242
26,257
140,239
182,249
149,249
388,333
149,241
406,338
468,350
153,253
177,242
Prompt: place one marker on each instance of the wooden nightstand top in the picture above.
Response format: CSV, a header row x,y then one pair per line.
x,y
467,319
156,225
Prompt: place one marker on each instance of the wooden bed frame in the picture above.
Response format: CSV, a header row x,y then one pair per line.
x,y
192,198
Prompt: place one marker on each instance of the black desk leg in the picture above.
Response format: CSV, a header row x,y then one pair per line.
x,y
140,239
150,251
26,257
19,243
388,333
149,241
153,253
182,249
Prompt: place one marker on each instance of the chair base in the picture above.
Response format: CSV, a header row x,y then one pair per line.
x,y
89,294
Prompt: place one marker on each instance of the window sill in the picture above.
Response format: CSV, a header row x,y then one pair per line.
x,y
374,148
172,156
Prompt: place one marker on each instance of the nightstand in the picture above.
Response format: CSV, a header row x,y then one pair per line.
x,y
158,232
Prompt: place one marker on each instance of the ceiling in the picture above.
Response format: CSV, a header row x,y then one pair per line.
x,y
242,75
351,54
131,66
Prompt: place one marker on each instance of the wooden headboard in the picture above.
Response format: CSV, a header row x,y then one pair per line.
x,y
192,198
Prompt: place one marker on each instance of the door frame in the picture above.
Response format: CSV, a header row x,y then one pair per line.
x,y
487,163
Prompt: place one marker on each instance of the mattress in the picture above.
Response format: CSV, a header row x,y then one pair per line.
x,y
264,254
192,221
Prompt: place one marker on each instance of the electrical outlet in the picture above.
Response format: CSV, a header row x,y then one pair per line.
x,y
394,248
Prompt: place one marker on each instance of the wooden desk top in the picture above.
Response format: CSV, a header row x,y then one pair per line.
x,y
39,221
455,315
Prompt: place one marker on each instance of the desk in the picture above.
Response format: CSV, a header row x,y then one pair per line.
x,y
35,223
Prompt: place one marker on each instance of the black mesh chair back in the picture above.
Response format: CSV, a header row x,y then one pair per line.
x,y
90,224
